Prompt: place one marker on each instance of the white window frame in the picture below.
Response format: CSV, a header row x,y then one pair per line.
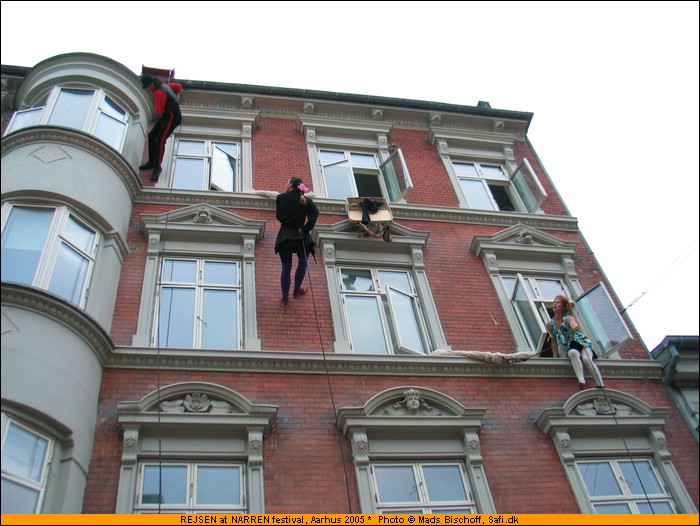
x,y
54,242
393,326
370,138
191,489
199,287
591,425
423,504
635,503
96,109
207,424
200,232
539,256
384,430
342,248
35,484
520,182
210,161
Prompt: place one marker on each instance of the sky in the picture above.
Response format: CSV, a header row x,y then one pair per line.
x,y
613,88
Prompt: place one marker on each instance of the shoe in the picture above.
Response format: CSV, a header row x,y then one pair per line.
x,y
284,302
156,173
147,166
300,292
582,386
600,386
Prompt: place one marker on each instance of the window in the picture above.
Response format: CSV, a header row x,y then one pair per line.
x,y
380,296
528,269
207,165
625,486
532,298
199,281
193,447
191,487
25,467
91,111
417,450
421,488
615,455
199,304
49,248
354,174
382,311
354,159
489,187
485,174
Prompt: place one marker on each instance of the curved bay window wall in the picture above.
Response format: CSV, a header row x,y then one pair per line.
x,y
88,110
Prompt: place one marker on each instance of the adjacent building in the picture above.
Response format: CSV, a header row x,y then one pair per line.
x,y
148,366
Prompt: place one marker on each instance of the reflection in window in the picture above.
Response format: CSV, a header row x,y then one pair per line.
x,y
88,110
192,487
25,456
382,311
207,165
422,488
625,486
48,248
199,305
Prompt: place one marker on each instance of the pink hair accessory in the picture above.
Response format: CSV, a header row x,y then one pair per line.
x,y
303,187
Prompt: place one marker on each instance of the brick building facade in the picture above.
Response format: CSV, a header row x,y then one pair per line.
x,y
148,361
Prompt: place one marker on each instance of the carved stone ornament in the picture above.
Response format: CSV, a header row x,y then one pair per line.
x,y
603,407
412,404
196,403
309,108
246,103
524,237
203,216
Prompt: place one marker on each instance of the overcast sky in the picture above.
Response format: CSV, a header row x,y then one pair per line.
x,y
613,87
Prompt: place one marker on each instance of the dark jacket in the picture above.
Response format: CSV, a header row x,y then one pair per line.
x,y
294,216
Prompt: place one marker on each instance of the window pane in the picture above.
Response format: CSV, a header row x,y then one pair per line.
x,y
357,279
363,160
444,483
17,498
465,170
398,280
220,319
24,452
78,235
168,481
526,311
405,320
23,119
23,242
493,172
477,195
366,328
620,508
177,271
71,108
607,330
189,174
599,479
111,108
218,485
549,288
110,130
191,148
397,180
176,318
220,273
640,477
655,507
396,484
68,278
339,180
224,167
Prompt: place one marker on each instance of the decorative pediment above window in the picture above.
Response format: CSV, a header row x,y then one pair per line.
x,y
203,222
196,402
601,411
520,245
409,408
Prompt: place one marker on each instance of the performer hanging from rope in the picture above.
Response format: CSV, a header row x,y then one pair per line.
x,y
370,206
170,117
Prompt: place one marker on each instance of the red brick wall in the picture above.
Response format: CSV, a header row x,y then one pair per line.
x,y
303,456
